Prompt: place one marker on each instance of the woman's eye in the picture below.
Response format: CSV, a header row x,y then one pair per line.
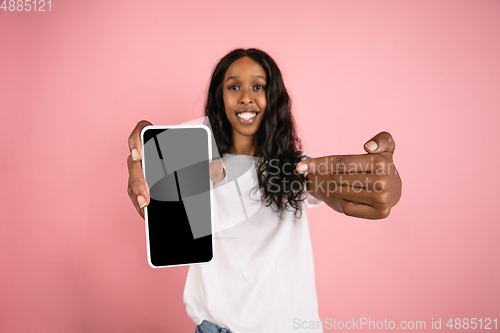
x,y
233,87
257,87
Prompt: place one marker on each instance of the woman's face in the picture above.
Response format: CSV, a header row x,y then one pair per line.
x,y
244,94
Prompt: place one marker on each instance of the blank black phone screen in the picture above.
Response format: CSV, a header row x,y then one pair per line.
x,y
178,217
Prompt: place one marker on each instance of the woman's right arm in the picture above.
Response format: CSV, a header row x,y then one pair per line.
x,y
138,190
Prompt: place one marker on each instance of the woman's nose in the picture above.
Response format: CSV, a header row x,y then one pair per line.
x,y
246,97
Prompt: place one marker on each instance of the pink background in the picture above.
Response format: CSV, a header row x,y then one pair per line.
x,y
76,80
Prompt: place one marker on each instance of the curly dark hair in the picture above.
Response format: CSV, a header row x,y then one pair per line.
x,y
276,139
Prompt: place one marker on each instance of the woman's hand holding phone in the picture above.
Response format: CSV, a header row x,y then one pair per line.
x,y
138,190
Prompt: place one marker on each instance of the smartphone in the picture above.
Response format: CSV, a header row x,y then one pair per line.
x,y
175,164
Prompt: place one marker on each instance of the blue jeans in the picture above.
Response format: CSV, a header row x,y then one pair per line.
x,y
208,327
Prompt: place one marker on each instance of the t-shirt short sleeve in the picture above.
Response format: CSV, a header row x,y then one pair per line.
x,y
310,201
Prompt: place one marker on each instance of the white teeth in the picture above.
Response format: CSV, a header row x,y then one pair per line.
x,y
247,115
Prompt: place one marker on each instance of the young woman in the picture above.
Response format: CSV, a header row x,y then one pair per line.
x,y
262,276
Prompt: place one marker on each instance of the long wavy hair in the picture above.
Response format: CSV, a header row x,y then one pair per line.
x,y
276,139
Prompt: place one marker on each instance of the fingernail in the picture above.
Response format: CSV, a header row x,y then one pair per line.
x,y
142,202
372,145
302,167
135,155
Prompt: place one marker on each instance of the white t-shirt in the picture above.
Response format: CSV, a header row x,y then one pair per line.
x,y
261,278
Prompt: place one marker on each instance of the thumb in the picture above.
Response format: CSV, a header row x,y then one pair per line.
x,y
217,172
380,143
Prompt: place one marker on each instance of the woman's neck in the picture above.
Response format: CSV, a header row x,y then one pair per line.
x,y
243,146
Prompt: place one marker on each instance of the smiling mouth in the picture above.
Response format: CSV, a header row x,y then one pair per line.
x,y
246,115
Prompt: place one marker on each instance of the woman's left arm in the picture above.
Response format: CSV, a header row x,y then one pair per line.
x,y
365,186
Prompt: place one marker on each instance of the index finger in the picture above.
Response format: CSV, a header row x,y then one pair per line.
x,y
365,163
134,140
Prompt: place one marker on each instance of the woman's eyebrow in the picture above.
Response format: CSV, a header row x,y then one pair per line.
x,y
237,77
